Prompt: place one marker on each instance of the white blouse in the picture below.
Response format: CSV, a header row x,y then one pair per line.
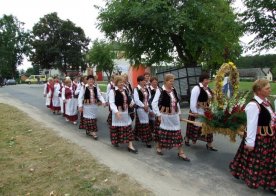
x,y
252,113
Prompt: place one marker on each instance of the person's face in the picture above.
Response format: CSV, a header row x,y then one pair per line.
x,y
90,81
147,77
205,82
143,83
120,84
265,91
154,83
169,83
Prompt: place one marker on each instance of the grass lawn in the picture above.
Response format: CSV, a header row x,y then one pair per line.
x,y
35,161
248,86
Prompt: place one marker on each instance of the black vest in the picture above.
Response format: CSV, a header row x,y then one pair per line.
x,y
164,101
141,95
87,95
264,115
119,99
203,96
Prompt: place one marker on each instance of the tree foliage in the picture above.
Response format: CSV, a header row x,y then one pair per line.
x,y
14,43
58,44
102,54
260,19
190,31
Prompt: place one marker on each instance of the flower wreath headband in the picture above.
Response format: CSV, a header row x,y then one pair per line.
x,y
234,80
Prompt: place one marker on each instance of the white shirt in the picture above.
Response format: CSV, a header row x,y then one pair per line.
x,y
194,98
252,114
81,96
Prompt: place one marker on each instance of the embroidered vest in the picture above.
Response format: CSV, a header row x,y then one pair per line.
x,y
119,99
164,102
87,95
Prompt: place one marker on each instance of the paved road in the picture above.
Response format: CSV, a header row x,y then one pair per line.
x,y
206,174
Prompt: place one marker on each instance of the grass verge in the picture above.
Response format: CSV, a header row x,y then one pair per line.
x,y
35,161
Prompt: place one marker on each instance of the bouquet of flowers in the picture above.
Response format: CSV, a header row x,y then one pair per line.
x,y
226,115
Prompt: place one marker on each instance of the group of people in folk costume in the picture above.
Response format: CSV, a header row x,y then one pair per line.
x,y
156,112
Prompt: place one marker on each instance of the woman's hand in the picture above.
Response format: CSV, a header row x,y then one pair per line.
x,y
146,108
118,115
80,109
159,118
249,148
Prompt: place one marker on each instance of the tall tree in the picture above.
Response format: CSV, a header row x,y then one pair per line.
x,y
58,44
194,30
14,43
260,19
102,54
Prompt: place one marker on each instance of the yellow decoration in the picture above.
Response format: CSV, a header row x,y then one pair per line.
x,y
234,80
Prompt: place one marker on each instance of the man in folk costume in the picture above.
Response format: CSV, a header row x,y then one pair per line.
x,y
199,102
56,99
141,98
48,91
88,104
109,87
70,108
255,160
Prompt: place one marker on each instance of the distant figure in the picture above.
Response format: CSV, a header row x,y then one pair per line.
x,y
227,88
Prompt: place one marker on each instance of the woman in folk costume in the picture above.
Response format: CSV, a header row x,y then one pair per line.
x,y
109,87
70,108
81,85
88,104
121,129
141,98
199,102
129,91
48,92
255,160
152,117
62,104
56,99
166,107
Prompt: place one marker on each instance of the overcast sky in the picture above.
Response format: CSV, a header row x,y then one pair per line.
x,y
80,12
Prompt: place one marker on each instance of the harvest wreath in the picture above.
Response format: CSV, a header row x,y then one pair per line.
x,y
225,115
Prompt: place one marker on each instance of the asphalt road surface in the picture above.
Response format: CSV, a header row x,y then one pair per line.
x,y
206,174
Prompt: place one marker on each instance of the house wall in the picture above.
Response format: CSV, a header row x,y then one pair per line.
x,y
269,76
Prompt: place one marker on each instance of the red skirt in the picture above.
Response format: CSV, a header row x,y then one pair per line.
x,y
258,167
90,125
82,124
121,135
142,131
170,138
194,132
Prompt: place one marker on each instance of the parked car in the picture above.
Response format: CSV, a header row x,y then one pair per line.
x,y
11,82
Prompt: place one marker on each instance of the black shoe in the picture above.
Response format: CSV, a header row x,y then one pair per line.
x,y
210,148
183,158
148,145
132,150
273,191
136,138
159,153
186,142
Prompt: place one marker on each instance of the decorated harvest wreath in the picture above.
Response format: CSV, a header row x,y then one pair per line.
x,y
226,115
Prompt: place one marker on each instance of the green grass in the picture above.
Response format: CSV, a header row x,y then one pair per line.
x,y
248,86
35,161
